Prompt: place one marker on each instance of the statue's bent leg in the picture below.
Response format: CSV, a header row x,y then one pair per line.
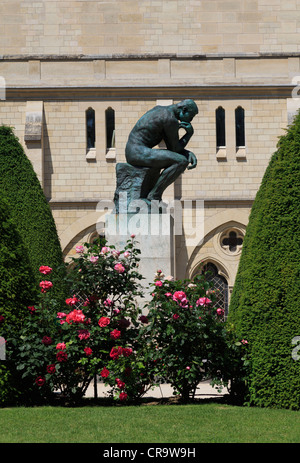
x,y
166,178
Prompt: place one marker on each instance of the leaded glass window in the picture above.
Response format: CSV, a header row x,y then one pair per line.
x,y
220,285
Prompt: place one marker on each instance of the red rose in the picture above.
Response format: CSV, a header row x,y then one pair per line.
x,y
116,352
47,341
143,319
175,316
40,381
51,368
126,351
104,321
115,334
32,309
45,269
127,371
123,396
1,319
88,351
104,373
61,356
124,323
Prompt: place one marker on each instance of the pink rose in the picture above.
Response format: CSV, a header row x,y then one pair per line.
x,y
115,253
126,254
45,285
220,311
72,300
184,303
203,301
45,269
94,259
105,250
83,334
75,316
61,346
178,295
79,249
158,283
244,341
175,316
168,294
120,383
119,268
108,303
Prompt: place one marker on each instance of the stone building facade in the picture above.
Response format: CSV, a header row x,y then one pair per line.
x,y
64,64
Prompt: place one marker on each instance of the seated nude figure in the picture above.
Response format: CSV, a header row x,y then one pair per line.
x,y
163,123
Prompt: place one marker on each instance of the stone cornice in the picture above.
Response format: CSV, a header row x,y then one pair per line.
x,y
208,202
25,93
145,56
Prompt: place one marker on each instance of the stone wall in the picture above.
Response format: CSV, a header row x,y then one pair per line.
x,y
164,26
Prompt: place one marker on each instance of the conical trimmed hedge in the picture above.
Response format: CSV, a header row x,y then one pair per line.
x,y
17,282
265,304
29,208
17,291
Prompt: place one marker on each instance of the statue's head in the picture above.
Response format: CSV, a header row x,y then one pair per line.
x,y
186,110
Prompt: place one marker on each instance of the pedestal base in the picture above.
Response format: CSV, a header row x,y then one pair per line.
x,y
153,236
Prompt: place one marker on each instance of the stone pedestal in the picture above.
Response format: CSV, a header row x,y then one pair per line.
x,y
153,236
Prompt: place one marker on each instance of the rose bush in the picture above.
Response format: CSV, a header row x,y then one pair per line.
x,y
63,348
187,337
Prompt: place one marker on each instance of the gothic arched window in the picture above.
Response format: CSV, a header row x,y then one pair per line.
x,y
220,127
110,128
90,128
239,126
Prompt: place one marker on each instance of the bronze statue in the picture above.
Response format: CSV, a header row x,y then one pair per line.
x,y
163,123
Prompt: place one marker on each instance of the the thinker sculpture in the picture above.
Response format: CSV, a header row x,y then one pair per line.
x,y
153,170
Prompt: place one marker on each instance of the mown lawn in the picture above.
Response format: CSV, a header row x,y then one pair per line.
x,y
191,423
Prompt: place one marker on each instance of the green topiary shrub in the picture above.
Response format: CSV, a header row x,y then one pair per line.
x,y
17,290
265,303
29,208
18,287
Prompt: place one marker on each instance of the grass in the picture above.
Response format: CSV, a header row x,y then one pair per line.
x,y
206,422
